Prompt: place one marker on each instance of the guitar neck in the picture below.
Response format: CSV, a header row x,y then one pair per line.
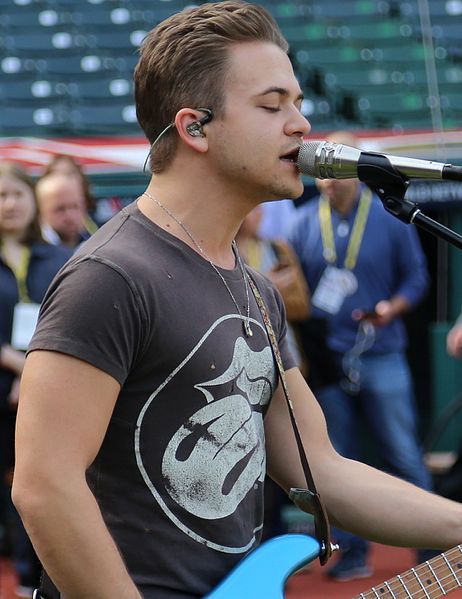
x,y
434,578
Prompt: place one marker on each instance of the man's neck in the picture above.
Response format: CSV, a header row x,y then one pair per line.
x,y
11,239
12,249
200,218
345,206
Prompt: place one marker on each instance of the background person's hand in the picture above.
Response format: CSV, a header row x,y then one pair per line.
x,y
454,341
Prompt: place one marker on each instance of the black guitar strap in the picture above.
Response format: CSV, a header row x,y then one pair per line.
x,y
47,589
309,499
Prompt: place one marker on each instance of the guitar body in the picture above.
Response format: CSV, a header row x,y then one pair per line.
x,y
262,574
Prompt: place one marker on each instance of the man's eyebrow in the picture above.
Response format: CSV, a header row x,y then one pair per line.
x,y
282,91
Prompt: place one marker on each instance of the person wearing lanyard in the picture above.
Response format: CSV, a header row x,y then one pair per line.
x,y
27,266
364,269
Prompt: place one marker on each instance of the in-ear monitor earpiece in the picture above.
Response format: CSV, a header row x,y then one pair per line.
x,y
195,128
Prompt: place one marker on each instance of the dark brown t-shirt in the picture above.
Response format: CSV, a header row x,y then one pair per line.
x,y
179,476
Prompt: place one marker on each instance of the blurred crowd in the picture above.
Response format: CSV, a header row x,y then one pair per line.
x,y
42,222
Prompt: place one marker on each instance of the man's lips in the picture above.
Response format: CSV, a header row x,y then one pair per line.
x,y
291,156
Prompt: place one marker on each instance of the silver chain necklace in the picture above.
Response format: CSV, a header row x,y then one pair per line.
x,y
246,319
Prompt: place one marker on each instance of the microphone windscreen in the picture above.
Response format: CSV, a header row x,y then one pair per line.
x,y
306,160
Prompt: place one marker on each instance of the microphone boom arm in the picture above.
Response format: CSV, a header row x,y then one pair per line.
x,y
390,185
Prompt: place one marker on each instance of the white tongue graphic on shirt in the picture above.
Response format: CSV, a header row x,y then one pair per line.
x,y
216,457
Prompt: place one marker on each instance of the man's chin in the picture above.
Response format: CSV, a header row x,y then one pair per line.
x,y
288,192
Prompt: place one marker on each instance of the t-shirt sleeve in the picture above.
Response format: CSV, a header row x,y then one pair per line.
x,y
92,312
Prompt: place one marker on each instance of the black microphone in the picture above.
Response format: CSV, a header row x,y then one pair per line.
x,y
329,160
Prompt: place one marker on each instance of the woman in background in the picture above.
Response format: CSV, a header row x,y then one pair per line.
x,y
27,267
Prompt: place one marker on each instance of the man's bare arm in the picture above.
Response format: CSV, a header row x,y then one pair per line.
x,y
358,498
64,409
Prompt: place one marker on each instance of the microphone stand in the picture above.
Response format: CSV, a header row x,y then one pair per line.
x,y
390,185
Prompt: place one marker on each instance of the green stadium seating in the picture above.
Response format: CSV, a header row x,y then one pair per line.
x,y
361,63
103,119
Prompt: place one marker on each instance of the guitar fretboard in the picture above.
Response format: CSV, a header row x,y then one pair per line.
x,y
435,578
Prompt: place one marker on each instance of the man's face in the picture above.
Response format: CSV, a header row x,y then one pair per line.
x,y
256,142
62,207
339,192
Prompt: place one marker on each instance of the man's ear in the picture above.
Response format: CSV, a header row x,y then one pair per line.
x,y
190,128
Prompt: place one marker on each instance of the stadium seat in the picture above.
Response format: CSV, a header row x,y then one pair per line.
x,y
21,15
116,42
88,66
34,92
353,10
13,68
451,101
108,16
332,55
103,88
379,31
21,19
104,119
22,120
42,42
385,109
375,77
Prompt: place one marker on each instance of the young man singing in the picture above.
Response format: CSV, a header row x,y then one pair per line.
x,y
150,407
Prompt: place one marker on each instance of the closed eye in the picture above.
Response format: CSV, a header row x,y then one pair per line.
x,y
271,108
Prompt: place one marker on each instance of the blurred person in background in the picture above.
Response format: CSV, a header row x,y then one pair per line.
x,y
62,209
365,269
27,266
276,219
275,258
454,339
68,166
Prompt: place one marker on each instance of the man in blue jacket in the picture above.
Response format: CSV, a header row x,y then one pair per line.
x,y
365,269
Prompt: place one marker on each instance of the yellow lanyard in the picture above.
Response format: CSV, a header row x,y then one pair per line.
x,y
90,225
253,250
357,232
20,272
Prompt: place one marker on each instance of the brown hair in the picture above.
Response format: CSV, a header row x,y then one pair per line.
x,y
183,64
90,202
15,171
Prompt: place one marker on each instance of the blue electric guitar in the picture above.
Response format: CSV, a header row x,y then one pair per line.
x,y
264,572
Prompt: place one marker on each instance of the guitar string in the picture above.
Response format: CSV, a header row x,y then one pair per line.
x,y
420,593
402,593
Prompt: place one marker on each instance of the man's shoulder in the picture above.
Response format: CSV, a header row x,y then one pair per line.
x,y
125,238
